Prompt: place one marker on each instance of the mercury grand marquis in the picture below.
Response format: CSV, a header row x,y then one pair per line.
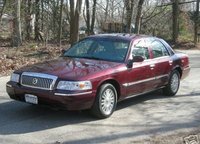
x,y
99,71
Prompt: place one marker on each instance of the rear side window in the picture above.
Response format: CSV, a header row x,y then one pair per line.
x,y
158,49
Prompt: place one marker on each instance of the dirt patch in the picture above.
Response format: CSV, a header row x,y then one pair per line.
x,y
191,137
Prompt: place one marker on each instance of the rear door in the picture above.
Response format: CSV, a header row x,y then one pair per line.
x,y
162,62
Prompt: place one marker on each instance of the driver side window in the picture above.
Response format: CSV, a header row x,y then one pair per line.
x,y
140,49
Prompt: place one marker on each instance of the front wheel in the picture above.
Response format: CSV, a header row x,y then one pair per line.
x,y
105,102
173,85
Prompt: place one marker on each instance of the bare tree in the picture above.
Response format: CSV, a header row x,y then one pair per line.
x,y
75,10
60,22
28,28
37,17
196,27
106,10
129,4
16,37
175,15
138,17
90,22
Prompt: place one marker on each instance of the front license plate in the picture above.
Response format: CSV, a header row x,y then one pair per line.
x,y
31,99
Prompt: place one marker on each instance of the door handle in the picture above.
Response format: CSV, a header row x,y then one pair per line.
x,y
152,66
170,62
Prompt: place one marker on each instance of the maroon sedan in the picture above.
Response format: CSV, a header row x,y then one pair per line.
x,y
99,71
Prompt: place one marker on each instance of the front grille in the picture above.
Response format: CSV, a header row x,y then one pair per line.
x,y
38,80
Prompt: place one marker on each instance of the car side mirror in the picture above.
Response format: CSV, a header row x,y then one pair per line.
x,y
138,59
63,51
135,59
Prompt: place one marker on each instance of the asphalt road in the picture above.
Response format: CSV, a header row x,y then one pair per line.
x,y
136,119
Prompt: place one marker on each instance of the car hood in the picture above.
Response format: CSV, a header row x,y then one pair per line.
x,y
70,68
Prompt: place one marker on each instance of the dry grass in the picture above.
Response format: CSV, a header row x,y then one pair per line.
x,y
29,53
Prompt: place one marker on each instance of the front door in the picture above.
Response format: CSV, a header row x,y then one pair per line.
x,y
141,77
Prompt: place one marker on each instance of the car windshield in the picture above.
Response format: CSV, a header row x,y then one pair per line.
x,y
100,48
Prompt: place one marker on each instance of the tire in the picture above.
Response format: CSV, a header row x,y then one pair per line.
x,y
173,85
105,102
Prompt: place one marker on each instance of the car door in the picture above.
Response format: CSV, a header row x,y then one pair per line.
x,y
141,77
162,63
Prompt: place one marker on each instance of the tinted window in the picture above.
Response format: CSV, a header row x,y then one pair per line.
x,y
159,49
141,49
100,48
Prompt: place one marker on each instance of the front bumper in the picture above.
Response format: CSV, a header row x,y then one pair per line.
x,y
55,98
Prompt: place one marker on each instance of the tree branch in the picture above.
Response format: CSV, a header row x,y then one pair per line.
x,y
180,3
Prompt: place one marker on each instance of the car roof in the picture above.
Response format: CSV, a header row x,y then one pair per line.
x,y
122,36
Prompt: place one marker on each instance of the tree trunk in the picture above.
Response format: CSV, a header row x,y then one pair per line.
x,y
87,4
37,15
129,4
196,26
16,37
60,22
28,30
123,15
90,22
74,20
93,16
106,10
42,15
175,9
138,17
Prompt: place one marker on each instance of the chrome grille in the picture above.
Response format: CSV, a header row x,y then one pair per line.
x,y
38,80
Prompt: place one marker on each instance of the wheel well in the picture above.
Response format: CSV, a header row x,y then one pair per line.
x,y
179,70
115,84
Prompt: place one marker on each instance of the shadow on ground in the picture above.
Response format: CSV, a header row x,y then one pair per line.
x,y
21,118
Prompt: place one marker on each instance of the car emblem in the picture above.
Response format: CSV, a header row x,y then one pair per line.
x,y
35,81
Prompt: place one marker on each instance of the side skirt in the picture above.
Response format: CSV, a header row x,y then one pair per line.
x,y
141,94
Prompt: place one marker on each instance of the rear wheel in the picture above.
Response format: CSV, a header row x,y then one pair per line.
x,y
105,102
173,85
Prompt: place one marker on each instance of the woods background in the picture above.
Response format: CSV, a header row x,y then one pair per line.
x,y
41,28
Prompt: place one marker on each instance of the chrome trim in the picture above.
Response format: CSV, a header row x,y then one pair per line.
x,y
143,93
137,82
76,94
8,85
125,85
40,75
145,80
162,76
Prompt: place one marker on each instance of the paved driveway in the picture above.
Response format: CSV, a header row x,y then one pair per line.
x,y
135,120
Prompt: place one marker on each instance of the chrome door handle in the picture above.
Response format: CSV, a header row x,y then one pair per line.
x,y
152,66
170,62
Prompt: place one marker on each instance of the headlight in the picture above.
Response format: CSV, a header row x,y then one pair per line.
x,y
15,77
69,85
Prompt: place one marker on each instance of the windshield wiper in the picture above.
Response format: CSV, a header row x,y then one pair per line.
x,y
90,57
84,57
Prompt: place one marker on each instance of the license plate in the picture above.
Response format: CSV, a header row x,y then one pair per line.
x,y
31,99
